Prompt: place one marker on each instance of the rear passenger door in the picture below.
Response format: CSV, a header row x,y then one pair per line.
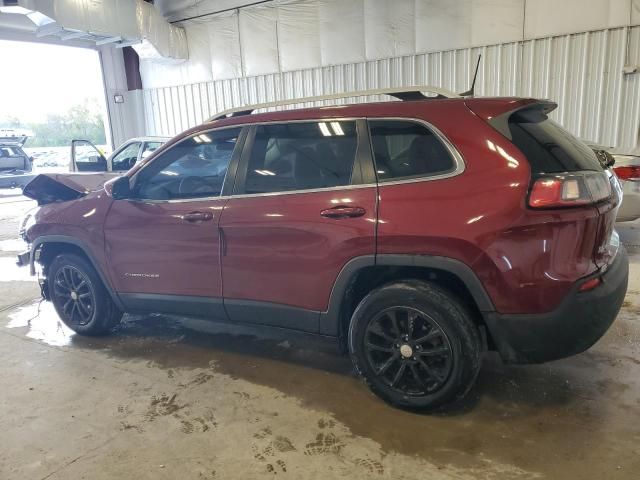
x,y
303,205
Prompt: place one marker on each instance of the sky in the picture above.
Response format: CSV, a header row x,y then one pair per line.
x,y
37,79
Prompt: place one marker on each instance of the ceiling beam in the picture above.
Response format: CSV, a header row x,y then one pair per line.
x,y
72,35
105,41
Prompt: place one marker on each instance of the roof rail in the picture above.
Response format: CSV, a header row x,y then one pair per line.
x,y
401,93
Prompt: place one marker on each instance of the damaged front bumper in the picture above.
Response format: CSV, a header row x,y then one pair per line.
x,y
24,259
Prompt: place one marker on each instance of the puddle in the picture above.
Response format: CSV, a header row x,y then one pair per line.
x,y
42,322
10,272
512,411
13,245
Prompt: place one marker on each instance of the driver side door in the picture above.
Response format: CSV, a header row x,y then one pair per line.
x,y
85,157
163,244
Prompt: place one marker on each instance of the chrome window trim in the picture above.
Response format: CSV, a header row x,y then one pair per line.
x,y
460,165
457,157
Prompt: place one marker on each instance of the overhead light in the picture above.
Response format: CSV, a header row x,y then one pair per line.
x,y
337,128
205,138
264,172
324,129
197,139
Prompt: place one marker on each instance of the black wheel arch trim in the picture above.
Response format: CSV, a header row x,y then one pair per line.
x,y
40,241
330,319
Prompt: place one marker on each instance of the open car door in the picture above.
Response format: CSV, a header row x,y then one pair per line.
x,y
85,157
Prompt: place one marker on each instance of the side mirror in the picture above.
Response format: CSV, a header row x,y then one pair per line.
x,y
121,190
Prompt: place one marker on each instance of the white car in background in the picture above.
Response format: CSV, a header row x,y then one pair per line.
x,y
627,168
86,157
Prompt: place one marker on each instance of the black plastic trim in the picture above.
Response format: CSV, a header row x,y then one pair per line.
x,y
38,242
206,307
272,314
330,320
574,326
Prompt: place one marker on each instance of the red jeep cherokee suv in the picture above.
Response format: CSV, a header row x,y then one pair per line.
x,y
418,233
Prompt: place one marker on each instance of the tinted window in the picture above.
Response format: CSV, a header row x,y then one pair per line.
x,y
300,156
547,146
407,150
194,168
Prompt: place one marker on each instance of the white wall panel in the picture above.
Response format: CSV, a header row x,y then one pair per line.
x,y
299,35
635,12
259,40
553,17
224,46
389,28
582,72
341,31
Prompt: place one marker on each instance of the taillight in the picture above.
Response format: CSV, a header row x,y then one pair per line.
x,y
569,190
629,173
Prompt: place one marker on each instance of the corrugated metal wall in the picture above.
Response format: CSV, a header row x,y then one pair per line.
x,y
582,72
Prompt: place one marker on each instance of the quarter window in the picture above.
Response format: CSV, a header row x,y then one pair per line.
x,y
194,168
301,156
404,150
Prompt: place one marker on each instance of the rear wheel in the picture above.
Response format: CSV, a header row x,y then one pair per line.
x,y
79,297
415,345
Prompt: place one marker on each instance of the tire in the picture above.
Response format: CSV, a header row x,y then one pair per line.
x,y
92,312
441,351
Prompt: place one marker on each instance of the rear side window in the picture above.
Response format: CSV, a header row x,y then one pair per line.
x,y
301,156
405,150
549,147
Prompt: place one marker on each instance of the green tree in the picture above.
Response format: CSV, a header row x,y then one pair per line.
x,y
81,121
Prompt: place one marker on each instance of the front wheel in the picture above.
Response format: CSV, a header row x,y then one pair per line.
x,y
79,297
415,345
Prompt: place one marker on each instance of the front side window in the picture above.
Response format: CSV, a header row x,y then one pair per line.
x,y
194,168
301,156
126,158
405,150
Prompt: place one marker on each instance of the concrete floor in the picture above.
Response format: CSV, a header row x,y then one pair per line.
x,y
167,398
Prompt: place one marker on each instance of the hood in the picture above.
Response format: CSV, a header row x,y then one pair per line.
x,y
62,187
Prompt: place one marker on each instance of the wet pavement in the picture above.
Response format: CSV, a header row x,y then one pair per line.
x,y
169,397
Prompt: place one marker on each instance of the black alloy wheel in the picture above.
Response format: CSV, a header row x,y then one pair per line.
x,y
75,293
408,350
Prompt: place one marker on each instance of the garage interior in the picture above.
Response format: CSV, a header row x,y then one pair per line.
x,y
176,397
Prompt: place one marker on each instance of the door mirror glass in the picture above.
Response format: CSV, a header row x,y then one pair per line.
x,y
121,189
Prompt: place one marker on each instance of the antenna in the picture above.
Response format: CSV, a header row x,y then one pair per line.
x,y
471,91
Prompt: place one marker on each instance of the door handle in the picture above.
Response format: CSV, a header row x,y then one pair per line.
x,y
343,212
197,217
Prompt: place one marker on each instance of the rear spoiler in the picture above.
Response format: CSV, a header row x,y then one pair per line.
x,y
497,112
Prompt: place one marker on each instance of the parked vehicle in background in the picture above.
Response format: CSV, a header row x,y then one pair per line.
x,y
627,169
418,233
86,157
15,164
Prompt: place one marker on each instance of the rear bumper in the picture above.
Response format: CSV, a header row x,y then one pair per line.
x,y
579,322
